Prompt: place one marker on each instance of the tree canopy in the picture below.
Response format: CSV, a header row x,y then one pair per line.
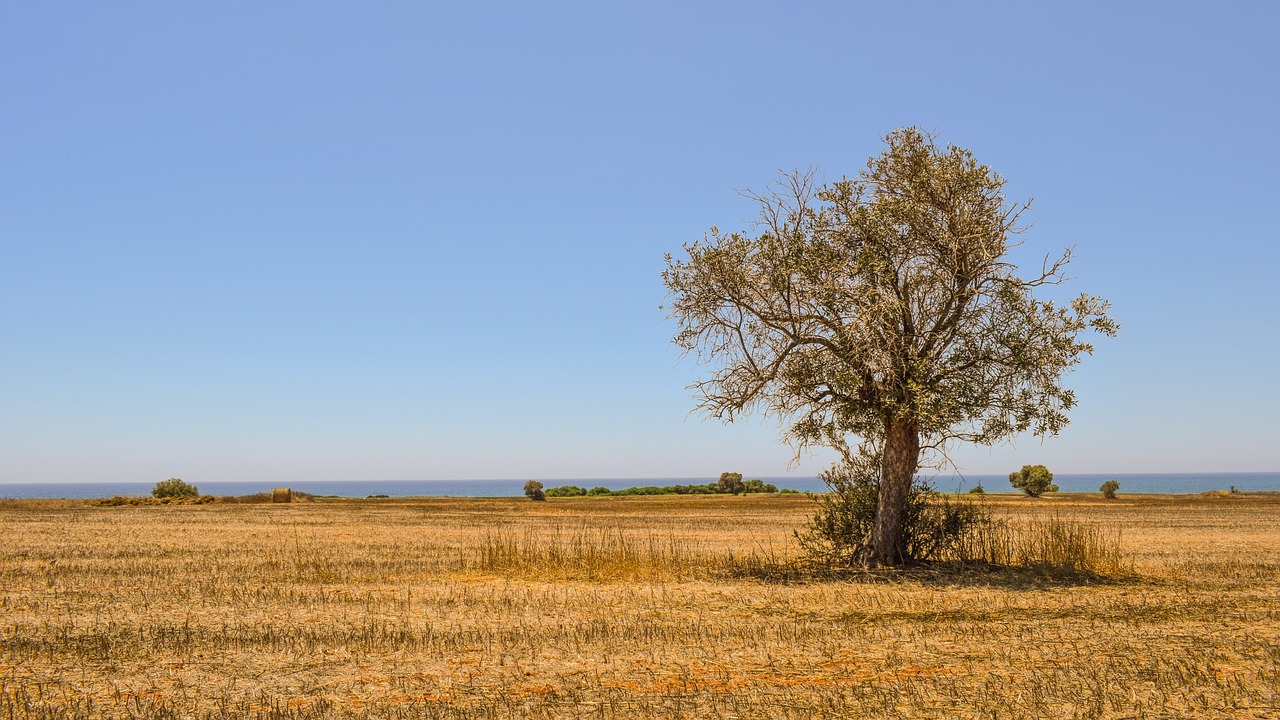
x,y
883,308
1034,480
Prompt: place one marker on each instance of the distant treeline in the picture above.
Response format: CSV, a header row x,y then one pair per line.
x,y
747,486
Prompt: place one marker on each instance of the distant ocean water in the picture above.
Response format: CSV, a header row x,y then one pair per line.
x,y
1129,482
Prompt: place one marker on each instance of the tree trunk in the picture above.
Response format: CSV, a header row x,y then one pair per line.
x,y
898,469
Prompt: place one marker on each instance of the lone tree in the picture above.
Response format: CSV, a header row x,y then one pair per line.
x,y
1034,480
883,307
533,491
731,482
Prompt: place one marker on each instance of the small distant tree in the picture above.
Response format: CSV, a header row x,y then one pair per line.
x,y
731,482
174,488
1109,489
1034,480
977,490
533,491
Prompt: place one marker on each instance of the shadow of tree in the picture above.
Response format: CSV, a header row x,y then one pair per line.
x,y
948,575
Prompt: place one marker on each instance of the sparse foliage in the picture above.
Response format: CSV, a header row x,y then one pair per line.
x,y
174,488
1109,489
883,307
533,491
1034,480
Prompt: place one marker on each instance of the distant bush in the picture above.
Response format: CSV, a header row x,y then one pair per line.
x,y
788,491
708,489
977,490
1109,489
645,490
533,491
565,491
174,488
1034,480
599,490
758,486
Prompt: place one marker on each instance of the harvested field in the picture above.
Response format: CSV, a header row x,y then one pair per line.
x,y
669,607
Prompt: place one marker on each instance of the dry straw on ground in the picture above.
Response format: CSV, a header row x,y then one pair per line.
x,y
624,607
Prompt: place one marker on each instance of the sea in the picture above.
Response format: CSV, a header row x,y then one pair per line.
x,y
1175,483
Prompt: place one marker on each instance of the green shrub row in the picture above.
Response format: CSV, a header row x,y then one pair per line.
x,y
748,486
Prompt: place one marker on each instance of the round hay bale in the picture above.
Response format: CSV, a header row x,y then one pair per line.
x,y
281,495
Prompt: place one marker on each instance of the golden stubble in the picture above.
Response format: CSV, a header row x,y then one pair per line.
x,y
620,607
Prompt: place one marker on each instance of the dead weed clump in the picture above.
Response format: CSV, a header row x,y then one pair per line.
x,y
1051,544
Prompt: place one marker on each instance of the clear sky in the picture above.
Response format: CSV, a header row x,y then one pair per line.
x,y
376,241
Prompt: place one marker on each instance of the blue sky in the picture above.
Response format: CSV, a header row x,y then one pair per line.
x,y
320,241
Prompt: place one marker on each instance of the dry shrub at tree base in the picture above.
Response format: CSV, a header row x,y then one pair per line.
x,y
623,607
949,530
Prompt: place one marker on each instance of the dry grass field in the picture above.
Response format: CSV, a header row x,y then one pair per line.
x,y
685,607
